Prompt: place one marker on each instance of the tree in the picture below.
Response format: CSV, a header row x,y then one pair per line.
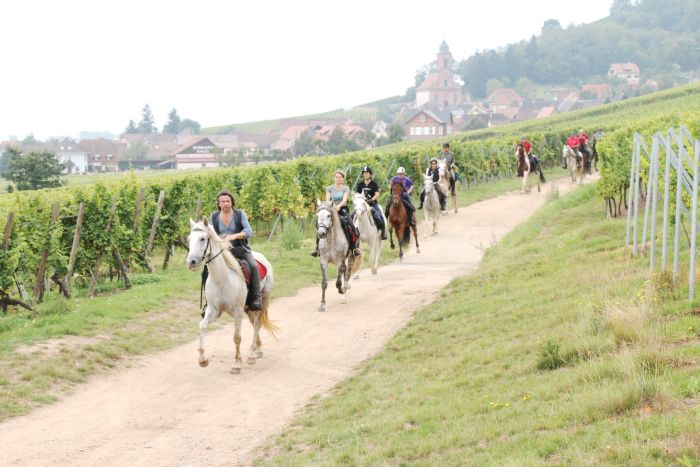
x,y
147,123
34,170
550,25
29,140
395,133
174,124
191,124
304,144
131,128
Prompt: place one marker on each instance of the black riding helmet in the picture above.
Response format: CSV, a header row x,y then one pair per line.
x,y
366,168
445,145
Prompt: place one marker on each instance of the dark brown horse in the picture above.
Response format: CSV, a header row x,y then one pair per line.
x,y
526,166
398,219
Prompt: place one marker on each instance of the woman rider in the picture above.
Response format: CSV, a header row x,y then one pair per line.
x,y
369,189
338,194
434,172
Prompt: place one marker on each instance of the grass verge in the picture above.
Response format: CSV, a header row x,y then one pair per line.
x,y
559,349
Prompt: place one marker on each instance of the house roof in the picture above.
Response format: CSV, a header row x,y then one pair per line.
x,y
293,132
442,116
505,96
429,82
546,111
600,91
192,142
624,68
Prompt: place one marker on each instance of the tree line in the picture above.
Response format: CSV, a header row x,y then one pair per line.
x,y
147,124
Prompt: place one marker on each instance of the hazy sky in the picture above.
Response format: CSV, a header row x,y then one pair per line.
x,y
68,65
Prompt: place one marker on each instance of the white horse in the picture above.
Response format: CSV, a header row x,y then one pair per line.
x,y
369,232
444,182
226,290
333,247
573,163
431,205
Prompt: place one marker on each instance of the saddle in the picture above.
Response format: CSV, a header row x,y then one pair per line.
x,y
262,270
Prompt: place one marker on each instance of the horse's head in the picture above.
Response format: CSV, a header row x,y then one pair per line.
x,y
521,150
428,184
324,218
396,192
360,204
198,243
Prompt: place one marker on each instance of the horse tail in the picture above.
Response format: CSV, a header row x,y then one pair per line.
x,y
356,265
265,321
406,240
542,176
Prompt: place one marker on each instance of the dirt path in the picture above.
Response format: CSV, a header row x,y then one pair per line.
x,y
165,410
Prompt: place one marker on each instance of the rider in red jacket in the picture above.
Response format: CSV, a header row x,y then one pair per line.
x,y
573,142
582,140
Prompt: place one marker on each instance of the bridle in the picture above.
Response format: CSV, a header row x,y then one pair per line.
x,y
320,225
207,258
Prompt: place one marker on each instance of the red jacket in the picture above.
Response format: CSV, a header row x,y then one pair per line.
x,y
582,139
572,142
528,146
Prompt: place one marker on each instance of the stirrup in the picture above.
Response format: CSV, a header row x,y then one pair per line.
x,y
356,252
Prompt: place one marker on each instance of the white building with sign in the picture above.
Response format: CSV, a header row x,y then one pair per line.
x,y
198,153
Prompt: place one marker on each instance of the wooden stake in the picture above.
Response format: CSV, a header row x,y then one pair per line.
x,y
8,231
73,251
38,291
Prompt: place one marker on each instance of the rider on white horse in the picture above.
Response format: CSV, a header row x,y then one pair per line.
x,y
232,224
434,172
370,190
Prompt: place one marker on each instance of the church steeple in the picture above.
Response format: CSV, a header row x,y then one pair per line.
x,y
444,57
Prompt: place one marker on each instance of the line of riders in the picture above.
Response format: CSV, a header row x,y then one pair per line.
x,y
579,144
232,224
339,193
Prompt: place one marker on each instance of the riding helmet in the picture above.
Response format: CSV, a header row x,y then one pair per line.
x,y
400,170
434,159
445,145
366,168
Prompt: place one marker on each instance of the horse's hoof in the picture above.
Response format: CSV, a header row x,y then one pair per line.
x,y
392,247
235,370
204,363
322,308
250,361
356,278
258,354
374,272
417,250
344,299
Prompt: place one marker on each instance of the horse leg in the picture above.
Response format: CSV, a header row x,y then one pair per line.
x,y
391,236
415,236
237,318
426,216
522,188
537,174
209,316
254,317
374,253
257,317
342,271
324,284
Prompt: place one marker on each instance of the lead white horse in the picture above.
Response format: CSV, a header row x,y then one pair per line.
x,y
226,290
431,206
444,182
369,233
574,164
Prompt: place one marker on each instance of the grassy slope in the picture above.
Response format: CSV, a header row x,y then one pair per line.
x,y
460,383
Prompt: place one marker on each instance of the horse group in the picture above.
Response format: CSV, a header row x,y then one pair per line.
x,y
580,163
226,287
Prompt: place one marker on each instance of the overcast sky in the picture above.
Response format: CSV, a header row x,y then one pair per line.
x,y
69,66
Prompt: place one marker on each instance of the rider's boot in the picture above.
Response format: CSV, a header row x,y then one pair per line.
x,y
254,292
422,198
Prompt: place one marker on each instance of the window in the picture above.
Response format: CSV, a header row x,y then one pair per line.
x,y
412,130
444,63
439,130
445,83
422,117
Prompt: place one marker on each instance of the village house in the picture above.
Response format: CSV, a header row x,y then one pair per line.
x,y
629,72
504,99
289,136
103,154
428,123
596,91
439,89
199,152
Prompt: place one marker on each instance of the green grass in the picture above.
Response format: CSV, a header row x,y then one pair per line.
x,y
461,385
44,356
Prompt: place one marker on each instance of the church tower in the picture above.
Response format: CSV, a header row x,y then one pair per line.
x,y
440,90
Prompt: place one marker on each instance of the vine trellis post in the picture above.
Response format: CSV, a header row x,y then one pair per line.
x,y
673,147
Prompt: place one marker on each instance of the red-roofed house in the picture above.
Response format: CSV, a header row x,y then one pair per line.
x,y
439,89
290,136
546,112
503,98
626,71
597,91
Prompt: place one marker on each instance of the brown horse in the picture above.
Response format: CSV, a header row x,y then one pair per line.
x,y
526,166
398,219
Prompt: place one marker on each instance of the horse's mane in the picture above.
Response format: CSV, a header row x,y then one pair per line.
x,y
224,245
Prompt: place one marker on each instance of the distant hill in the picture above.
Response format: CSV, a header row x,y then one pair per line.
x,y
661,36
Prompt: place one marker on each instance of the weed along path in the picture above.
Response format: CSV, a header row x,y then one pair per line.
x,y
166,410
